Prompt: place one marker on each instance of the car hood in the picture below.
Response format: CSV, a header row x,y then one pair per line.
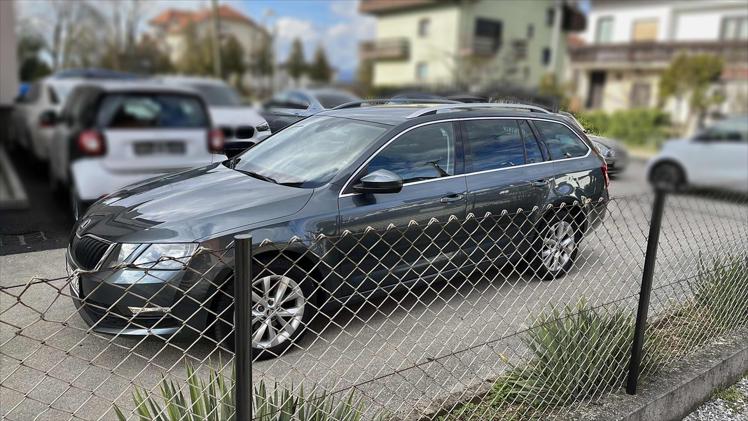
x,y
235,116
189,206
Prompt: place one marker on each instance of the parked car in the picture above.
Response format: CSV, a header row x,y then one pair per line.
x,y
343,170
241,125
111,134
716,157
31,126
616,155
288,107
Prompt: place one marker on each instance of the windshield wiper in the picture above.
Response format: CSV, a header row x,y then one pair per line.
x,y
259,176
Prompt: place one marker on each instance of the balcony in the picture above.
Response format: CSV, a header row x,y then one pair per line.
x,y
655,53
385,49
376,7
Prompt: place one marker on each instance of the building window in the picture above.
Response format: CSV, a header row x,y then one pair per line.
x,y
424,27
519,47
644,30
604,30
546,56
530,31
422,71
550,16
640,93
487,35
734,27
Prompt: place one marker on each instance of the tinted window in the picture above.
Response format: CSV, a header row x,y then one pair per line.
x,y
218,95
311,152
531,144
129,111
495,144
332,100
560,140
420,154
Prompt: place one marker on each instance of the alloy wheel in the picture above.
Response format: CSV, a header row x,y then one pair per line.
x,y
277,310
558,246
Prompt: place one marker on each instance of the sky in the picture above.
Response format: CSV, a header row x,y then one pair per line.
x,y
335,24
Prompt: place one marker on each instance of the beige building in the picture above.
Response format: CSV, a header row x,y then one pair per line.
x,y
628,44
469,43
170,27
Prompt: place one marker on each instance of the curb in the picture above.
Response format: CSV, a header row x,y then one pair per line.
x,y
676,393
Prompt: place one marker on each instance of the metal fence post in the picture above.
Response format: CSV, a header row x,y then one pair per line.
x,y
243,326
646,291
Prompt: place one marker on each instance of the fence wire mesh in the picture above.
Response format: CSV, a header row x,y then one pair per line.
x,y
515,315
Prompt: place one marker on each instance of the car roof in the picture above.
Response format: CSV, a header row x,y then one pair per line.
x,y
138,86
191,80
394,114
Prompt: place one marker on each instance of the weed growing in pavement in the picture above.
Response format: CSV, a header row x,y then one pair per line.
x,y
722,291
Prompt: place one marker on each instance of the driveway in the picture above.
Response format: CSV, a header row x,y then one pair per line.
x,y
402,354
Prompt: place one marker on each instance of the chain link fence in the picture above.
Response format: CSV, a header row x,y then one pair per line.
x,y
522,315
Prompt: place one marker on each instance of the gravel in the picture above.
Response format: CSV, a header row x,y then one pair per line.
x,y
726,405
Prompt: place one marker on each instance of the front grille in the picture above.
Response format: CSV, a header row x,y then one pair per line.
x,y
228,132
88,251
244,132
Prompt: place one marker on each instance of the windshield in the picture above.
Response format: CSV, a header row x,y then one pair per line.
x,y
333,99
152,110
735,129
218,95
311,152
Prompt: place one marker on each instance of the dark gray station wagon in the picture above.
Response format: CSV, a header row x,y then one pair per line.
x,y
352,169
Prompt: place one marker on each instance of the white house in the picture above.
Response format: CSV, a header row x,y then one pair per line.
x,y
628,43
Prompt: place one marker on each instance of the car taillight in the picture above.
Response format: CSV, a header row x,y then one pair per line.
x,y
215,141
91,143
604,169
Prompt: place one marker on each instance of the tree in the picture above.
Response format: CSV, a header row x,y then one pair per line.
x,y
30,65
198,57
693,76
365,75
232,59
296,63
264,63
320,70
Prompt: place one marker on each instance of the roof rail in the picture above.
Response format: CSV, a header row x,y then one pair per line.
x,y
385,101
472,106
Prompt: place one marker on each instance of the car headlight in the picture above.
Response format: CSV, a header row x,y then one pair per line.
x,y
158,256
263,127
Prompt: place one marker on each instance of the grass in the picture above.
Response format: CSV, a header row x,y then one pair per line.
x,y
214,401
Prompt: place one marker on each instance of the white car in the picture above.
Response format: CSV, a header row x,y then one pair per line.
x,y
717,157
237,122
32,126
112,134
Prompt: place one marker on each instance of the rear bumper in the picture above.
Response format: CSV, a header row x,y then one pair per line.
x,y
93,180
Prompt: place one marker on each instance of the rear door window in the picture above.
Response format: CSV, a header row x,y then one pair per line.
x,y
561,142
421,154
143,111
494,144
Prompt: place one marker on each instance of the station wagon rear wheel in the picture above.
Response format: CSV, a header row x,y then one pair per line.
x,y
556,246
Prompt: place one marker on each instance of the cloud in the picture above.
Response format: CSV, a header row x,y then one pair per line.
x,y
340,39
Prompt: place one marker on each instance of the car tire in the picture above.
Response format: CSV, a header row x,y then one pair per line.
x,y
668,175
289,328
556,245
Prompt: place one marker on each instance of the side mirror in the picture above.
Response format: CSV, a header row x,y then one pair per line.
x,y
380,181
47,118
234,148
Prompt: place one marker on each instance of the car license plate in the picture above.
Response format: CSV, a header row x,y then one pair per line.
x,y
159,148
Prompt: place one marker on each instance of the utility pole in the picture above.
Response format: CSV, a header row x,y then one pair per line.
x,y
217,69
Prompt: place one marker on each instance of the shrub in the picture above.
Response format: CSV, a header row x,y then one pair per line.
x,y
637,127
214,401
722,291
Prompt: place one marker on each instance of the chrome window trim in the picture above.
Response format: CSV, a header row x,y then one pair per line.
x,y
350,179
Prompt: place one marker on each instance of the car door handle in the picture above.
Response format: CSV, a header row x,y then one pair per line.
x,y
451,198
540,183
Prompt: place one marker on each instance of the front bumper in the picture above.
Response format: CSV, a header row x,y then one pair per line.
x,y
135,302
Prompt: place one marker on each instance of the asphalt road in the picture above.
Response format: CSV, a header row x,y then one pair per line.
x,y
403,354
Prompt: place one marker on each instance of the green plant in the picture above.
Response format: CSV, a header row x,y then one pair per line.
x,y
577,354
636,127
214,401
722,291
